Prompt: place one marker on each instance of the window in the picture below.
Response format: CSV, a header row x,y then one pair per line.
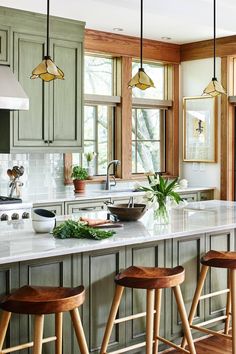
x,y
148,143
156,72
148,122
98,112
98,137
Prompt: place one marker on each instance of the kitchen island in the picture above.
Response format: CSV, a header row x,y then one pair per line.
x,y
29,258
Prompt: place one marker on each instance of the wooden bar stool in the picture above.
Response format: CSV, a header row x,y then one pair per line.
x,y
39,301
153,280
219,260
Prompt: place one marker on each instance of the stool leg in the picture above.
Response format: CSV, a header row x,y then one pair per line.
x,y
5,318
79,331
233,310
196,297
184,318
149,320
157,319
110,323
58,330
38,334
228,308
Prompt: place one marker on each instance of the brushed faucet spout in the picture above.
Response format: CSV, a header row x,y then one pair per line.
x,y
108,183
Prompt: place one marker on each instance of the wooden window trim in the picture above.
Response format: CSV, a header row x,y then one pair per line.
x,y
123,151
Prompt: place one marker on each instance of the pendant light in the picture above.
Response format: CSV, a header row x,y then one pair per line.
x,y
141,80
214,88
47,69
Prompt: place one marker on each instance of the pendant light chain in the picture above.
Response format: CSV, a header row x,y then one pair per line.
x,y
141,36
48,27
214,25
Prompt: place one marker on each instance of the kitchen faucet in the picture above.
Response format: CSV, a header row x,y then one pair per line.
x,y
108,184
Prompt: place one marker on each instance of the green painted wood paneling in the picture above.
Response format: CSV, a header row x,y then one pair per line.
x,y
4,45
99,270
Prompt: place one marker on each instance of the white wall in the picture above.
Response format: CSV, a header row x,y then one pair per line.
x,y
195,75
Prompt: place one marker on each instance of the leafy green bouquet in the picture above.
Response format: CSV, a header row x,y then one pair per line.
x,y
160,194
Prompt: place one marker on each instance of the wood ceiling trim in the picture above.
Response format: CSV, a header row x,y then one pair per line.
x,y
120,45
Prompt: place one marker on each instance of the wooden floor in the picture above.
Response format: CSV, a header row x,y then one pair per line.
x,y
211,345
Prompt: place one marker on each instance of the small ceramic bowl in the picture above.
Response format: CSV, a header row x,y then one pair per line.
x,y
44,226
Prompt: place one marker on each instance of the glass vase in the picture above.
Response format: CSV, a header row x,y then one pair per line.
x,y
162,214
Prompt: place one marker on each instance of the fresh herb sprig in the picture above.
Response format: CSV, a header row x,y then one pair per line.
x,y
75,229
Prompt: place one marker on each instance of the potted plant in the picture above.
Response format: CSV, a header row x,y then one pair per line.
x,y
79,175
89,158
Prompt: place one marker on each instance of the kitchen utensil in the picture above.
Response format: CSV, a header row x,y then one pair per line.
x,y
43,226
9,173
125,213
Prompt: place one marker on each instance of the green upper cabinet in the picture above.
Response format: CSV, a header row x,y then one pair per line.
x,y
54,122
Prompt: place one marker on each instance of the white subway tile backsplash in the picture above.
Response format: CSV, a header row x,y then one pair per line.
x,y
43,172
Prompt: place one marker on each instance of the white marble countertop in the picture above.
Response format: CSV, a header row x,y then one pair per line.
x,y
18,242
69,196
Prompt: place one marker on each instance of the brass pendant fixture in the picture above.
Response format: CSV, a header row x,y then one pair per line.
x,y
47,69
214,88
141,80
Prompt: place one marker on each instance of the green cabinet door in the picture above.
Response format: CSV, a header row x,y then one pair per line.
x,y
147,255
9,281
30,128
66,108
217,277
187,253
4,45
99,270
55,271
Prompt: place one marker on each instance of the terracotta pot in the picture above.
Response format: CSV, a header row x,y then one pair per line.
x,y
79,185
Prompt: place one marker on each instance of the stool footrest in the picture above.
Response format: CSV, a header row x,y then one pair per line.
x,y
131,317
210,331
126,349
27,345
171,344
216,319
216,293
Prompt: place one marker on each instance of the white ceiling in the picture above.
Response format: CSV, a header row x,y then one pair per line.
x,y
183,20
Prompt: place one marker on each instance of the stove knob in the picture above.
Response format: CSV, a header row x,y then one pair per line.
x,y
25,215
4,217
15,216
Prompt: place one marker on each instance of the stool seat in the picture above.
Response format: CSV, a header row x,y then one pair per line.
x,y
150,277
43,300
219,259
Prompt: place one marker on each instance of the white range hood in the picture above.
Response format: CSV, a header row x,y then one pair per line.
x,y
12,95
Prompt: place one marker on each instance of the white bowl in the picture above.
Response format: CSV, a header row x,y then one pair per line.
x,y
42,215
44,226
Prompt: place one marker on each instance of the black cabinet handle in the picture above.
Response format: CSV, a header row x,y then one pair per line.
x,y
46,141
50,141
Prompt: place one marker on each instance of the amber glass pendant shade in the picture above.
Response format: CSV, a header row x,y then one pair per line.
x,y
214,88
47,69
141,80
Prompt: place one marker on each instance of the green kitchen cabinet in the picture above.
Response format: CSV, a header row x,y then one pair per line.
x,y
9,281
217,277
187,253
4,45
99,270
55,271
56,208
54,122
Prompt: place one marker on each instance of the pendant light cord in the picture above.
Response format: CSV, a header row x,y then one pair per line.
x,y
48,28
141,36
214,25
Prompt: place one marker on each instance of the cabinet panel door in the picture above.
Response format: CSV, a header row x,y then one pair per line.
x,y
47,272
56,208
148,255
186,252
9,281
217,277
4,44
75,207
99,270
66,96
30,128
